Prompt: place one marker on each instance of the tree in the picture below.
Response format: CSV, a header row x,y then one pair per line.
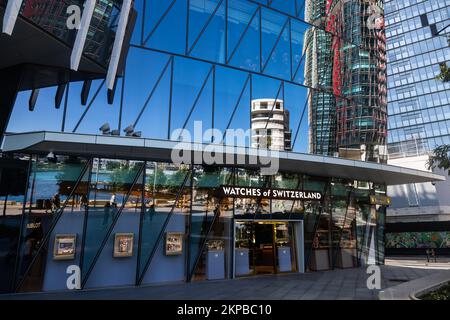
x,y
440,158
444,76
123,177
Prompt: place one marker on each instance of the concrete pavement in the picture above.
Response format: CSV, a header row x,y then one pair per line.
x,y
340,284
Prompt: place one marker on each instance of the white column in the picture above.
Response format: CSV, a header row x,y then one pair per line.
x,y
80,40
118,42
11,13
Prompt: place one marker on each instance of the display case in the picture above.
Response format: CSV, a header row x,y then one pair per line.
x,y
64,247
174,243
215,260
123,245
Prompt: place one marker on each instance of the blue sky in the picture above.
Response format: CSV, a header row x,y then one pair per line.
x,y
145,66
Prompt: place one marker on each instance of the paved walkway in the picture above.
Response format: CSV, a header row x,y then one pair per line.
x,y
330,285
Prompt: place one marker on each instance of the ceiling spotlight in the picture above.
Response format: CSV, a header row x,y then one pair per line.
x,y
51,157
137,134
105,129
129,130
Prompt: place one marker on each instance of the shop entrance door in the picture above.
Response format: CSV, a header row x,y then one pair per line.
x,y
263,249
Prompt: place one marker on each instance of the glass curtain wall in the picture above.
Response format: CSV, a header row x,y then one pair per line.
x,y
111,181
75,208
343,225
13,180
211,225
53,186
162,186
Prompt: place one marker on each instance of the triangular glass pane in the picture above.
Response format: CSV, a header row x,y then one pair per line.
x,y
164,194
301,9
272,25
211,43
155,11
279,64
240,13
203,212
231,83
201,118
246,55
286,6
214,262
189,78
161,187
298,32
50,194
296,103
110,182
119,254
143,71
170,35
200,12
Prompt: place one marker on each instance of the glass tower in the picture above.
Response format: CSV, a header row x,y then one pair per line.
x,y
348,111
419,104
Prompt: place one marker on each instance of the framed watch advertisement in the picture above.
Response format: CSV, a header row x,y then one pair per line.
x,y
64,247
174,243
123,245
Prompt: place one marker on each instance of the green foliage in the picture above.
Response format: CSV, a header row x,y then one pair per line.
x,y
112,165
442,293
440,158
123,175
444,76
159,181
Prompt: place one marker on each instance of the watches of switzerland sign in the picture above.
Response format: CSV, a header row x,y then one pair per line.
x,y
271,193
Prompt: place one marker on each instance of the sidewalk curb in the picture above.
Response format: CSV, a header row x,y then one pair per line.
x,y
411,290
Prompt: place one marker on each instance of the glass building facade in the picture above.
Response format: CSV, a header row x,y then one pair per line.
x,y
52,16
126,222
348,64
419,104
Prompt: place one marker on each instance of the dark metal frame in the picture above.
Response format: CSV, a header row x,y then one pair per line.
x,y
111,227
85,220
188,50
190,273
22,221
46,238
188,178
163,229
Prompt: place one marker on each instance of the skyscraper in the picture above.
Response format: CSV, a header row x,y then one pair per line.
x,y
419,104
419,113
346,64
270,125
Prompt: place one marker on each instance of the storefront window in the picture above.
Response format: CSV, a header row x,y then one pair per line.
x,y
287,209
364,223
110,192
316,225
52,180
162,184
248,208
343,225
210,226
14,175
285,248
